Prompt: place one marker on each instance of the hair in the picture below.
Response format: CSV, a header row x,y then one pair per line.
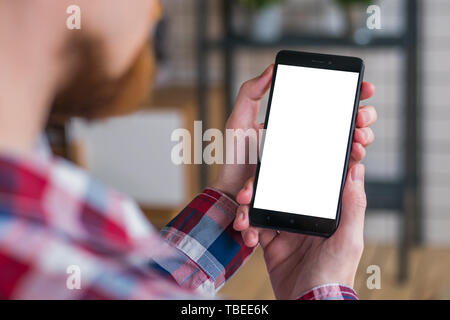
x,y
90,93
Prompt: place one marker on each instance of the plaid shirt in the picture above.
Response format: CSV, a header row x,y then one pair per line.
x,y
63,235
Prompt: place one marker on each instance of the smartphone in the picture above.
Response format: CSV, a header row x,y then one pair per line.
x,y
306,145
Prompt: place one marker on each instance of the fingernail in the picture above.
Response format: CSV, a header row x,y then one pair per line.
x,y
253,234
366,135
241,215
265,71
365,116
358,173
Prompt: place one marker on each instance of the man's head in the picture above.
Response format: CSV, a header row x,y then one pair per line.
x,y
91,92
46,69
105,66
110,61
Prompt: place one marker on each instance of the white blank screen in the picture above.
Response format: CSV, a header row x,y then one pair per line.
x,y
306,141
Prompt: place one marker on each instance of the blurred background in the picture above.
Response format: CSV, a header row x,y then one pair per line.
x,y
205,49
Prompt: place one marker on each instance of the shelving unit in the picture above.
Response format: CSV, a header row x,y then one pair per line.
x,y
402,196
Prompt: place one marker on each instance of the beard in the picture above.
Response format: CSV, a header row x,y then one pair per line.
x,y
91,94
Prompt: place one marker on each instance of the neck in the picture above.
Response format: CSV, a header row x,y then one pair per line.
x,y
28,79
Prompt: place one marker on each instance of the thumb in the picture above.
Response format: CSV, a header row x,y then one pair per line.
x,y
255,88
252,91
354,203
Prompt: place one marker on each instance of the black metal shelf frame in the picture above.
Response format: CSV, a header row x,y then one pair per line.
x,y
289,40
402,196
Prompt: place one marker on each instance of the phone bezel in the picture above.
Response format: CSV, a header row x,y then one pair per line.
x,y
296,222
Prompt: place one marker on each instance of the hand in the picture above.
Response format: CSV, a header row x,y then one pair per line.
x,y
244,116
297,263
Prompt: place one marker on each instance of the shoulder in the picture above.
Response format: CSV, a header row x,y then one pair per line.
x,y
62,196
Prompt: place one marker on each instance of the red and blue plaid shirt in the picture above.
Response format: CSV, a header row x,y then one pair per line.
x,y
63,235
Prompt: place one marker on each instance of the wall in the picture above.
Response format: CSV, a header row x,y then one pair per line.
x,y
383,67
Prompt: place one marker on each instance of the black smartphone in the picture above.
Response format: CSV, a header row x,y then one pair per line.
x,y
306,145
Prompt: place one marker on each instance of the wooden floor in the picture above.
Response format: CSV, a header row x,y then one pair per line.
x,y
429,276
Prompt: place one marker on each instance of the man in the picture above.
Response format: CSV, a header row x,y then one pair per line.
x,y
64,235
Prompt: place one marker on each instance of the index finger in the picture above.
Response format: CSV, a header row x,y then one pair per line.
x,y
367,90
244,197
252,235
247,102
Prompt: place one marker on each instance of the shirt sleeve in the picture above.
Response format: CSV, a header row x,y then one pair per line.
x,y
210,251
334,291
